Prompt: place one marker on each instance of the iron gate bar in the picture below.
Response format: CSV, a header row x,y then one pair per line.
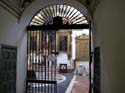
x,y
34,47
67,14
47,13
77,19
45,59
90,58
48,61
35,22
50,12
53,10
42,81
56,27
37,53
35,50
71,13
42,55
64,11
38,20
43,15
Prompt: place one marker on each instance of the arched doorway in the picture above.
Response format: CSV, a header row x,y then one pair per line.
x,y
42,44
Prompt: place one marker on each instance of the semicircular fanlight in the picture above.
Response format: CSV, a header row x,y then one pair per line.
x,y
69,15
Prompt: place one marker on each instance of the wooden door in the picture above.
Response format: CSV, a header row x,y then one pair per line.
x,y
97,77
8,56
82,48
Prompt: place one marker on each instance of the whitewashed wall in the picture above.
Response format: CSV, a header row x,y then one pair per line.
x,y
75,33
8,27
12,33
109,21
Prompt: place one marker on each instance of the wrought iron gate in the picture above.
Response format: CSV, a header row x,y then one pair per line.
x,y
41,64
41,72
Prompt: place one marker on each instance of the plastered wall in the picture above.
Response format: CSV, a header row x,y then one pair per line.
x,y
109,22
13,33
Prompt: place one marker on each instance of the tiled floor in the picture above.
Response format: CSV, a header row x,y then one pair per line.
x,y
81,85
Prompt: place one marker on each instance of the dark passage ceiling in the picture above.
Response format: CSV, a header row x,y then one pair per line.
x,y
16,7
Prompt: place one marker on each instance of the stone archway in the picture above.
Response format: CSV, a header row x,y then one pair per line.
x,y
37,5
